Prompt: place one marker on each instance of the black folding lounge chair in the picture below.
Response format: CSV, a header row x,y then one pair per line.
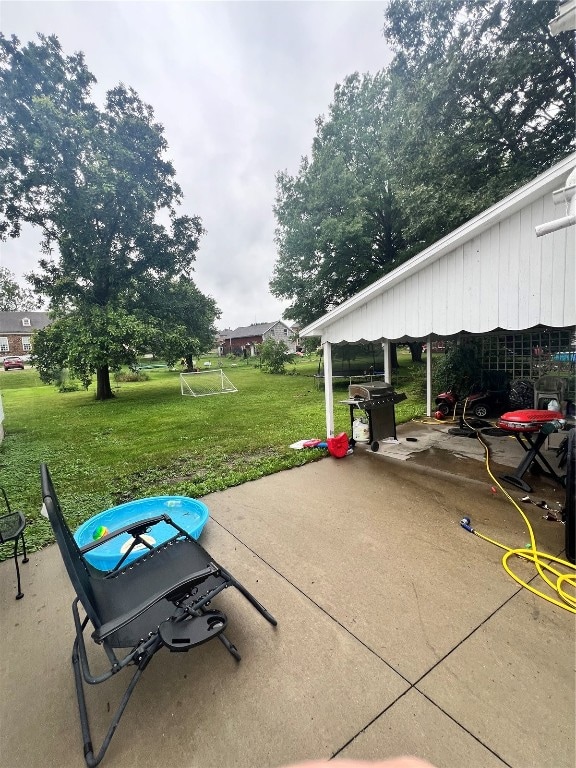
x,y
159,600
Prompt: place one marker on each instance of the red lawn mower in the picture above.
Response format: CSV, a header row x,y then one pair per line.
x,y
481,404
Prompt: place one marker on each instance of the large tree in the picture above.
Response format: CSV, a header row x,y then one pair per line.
x,y
478,99
14,298
98,185
338,226
181,318
482,99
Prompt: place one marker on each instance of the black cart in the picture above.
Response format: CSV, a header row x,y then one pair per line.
x,y
377,401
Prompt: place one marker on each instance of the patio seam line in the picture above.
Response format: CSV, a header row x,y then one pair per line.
x,y
468,636
413,687
463,640
369,723
339,623
320,608
476,738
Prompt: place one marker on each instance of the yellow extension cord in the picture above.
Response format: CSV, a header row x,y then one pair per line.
x,y
566,601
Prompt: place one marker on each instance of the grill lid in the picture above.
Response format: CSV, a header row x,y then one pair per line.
x,y
370,390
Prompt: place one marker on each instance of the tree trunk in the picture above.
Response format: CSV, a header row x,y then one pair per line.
x,y
189,362
103,388
416,351
394,357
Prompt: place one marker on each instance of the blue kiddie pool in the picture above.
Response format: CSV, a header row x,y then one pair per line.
x,y
190,514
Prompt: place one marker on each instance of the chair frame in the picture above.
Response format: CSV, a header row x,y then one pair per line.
x,y
190,614
16,537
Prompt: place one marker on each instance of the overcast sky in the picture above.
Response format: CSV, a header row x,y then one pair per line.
x,y
237,86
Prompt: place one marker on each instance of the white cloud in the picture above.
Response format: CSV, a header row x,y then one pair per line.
x,y
237,86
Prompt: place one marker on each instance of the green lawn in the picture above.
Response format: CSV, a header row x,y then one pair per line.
x,y
150,440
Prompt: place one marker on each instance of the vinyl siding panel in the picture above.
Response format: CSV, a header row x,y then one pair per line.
x,y
502,276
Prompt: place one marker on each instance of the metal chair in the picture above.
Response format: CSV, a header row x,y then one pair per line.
x,y
159,600
12,527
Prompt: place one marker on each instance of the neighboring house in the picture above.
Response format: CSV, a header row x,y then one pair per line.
x,y
16,329
243,340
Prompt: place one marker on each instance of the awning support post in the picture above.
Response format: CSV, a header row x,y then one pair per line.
x,y
428,376
328,394
387,362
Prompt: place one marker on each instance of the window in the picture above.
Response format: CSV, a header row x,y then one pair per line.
x,y
26,321
4,346
26,346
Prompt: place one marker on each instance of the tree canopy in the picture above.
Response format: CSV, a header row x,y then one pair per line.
x,y
14,298
337,220
97,183
478,99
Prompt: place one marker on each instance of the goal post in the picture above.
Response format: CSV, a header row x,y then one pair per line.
x,y
201,383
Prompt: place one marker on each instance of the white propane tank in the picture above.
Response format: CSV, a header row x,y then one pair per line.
x,y
360,431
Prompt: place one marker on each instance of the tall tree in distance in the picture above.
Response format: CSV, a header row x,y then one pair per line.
x,y
482,100
181,318
14,298
338,225
95,181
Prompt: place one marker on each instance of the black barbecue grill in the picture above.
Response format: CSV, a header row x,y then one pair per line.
x,y
377,400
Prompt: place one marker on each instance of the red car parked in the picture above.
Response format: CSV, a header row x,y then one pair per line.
x,y
13,362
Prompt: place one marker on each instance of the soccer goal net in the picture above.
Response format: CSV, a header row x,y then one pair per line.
x,y
202,383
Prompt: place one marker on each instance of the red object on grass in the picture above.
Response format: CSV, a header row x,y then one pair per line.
x,y
338,445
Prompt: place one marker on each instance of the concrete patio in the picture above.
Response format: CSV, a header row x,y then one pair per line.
x,y
398,632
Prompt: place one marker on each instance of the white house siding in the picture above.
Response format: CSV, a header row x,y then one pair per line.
x,y
281,332
502,276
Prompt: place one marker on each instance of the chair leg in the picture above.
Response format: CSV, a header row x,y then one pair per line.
x,y
91,759
19,594
230,647
250,597
25,558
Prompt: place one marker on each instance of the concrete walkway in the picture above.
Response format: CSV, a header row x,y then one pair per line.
x,y
398,633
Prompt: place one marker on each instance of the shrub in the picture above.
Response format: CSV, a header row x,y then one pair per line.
x,y
274,355
131,376
459,369
64,382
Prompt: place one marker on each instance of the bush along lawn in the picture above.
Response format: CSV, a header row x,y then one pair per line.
x,y
150,440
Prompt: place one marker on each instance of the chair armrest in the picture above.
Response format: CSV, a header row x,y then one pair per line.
x,y
174,590
139,526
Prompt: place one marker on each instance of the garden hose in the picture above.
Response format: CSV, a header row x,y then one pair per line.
x,y
541,560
